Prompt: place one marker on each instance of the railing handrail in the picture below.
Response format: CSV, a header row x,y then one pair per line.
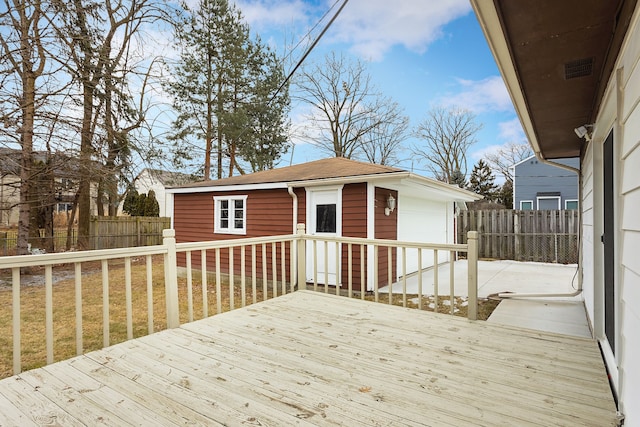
x,y
13,261
460,247
233,243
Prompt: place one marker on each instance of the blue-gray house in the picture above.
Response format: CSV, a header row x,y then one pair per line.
x,y
540,186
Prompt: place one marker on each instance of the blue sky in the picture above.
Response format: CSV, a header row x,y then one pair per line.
x,y
421,53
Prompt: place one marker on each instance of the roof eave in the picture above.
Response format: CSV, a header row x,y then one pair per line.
x,y
489,20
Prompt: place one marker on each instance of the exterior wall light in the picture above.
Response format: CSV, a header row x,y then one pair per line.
x,y
584,131
391,205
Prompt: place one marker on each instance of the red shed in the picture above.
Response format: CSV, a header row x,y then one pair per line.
x,y
333,197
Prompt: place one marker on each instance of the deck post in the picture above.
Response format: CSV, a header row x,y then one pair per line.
x,y
472,279
301,255
171,278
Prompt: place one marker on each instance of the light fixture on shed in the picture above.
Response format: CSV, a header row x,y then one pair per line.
x,y
391,205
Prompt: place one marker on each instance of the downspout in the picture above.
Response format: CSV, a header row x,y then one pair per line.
x,y
295,207
579,290
294,248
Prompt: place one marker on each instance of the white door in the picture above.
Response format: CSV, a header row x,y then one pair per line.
x,y
324,218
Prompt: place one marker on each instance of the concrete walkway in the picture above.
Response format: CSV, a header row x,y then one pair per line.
x,y
564,315
495,277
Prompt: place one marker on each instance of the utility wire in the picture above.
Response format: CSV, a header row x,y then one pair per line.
x,y
308,51
308,35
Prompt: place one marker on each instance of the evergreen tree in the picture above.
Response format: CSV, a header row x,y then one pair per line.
x,y
130,204
505,194
151,205
141,204
267,131
482,181
458,178
219,90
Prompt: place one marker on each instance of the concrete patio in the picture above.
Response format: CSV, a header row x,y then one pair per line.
x,y
564,315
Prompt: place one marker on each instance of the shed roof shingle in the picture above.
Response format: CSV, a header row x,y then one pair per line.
x,y
337,167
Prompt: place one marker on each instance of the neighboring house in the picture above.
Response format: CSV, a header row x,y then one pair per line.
x,y
541,186
158,181
65,182
333,197
572,69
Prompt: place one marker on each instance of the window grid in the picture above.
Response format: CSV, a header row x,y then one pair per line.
x,y
230,214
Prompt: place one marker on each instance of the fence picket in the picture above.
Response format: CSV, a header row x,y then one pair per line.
x,y
542,236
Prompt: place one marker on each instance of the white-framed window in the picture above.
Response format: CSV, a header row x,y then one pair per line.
x,y
571,204
548,202
230,214
526,205
64,207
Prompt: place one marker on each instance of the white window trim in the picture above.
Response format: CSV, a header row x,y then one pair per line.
x,y
216,215
566,202
548,198
527,201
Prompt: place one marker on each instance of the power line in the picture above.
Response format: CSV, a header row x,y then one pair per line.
x,y
308,35
308,51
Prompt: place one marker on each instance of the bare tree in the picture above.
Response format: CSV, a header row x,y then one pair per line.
x,y
447,135
387,130
343,104
97,37
24,58
508,155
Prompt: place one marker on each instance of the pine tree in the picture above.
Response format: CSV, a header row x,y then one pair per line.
x,y
505,194
151,205
218,90
482,181
130,203
267,136
458,178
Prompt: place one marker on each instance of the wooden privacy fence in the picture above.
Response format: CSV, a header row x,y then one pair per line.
x,y
541,236
125,232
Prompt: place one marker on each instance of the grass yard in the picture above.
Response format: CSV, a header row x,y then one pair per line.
x,y
33,310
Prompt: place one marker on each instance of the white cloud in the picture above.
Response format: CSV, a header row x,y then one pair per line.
x,y
489,149
372,27
511,131
261,14
481,96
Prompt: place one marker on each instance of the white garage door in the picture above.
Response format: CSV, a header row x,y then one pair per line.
x,y
422,220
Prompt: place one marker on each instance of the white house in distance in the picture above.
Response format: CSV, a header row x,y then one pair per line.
x,y
572,69
158,181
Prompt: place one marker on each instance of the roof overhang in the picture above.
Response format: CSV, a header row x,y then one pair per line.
x,y
407,181
556,58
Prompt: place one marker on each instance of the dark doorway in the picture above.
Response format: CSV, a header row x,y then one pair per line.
x,y
608,239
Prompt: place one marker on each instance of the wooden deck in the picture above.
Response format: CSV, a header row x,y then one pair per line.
x,y
314,359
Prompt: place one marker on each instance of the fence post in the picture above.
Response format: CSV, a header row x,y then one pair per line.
x,y
472,279
301,255
171,278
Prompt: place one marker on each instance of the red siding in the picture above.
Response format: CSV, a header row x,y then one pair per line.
x,y
269,213
354,224
386,227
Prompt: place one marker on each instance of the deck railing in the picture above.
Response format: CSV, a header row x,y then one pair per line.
x,y
247,269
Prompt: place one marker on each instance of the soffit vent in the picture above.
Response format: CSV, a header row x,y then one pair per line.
x,y
578,68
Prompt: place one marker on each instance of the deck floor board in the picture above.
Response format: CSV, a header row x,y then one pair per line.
x,y
313,359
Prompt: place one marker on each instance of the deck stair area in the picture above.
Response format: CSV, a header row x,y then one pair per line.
x,y
308,358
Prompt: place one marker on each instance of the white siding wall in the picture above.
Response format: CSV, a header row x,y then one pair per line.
x,y
629,348
620,111
588,233
421,220
146,182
